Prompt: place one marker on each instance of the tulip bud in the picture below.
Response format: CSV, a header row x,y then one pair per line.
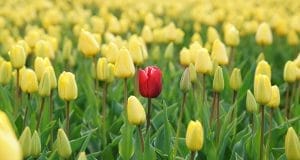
x,y
10,148
17,56
218,53
251,104
40,65
53,80
292,145
264,68
25,142
212,35
264,34
197,38
194,136
232,37
195,49
218,82
147,34
150,81
64,149
124,65
135,49
185,57
292,38
25,45
35,144
185,82
111,73
88,44
262,89
193,73
82,156
5,124
275,98
28,81
203,62
169,52
67,87
289,73
261,57
45,84
44,49
5,72
235,79
135,111
102,69
67,49
110,51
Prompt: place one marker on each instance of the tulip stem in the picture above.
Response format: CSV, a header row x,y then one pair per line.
x,y
96,81
141,137
104,96
125,97
232,57
40,114
18,99
270,128
67,117
203,89
212,109
287,100
179,125
262,131
148,114
233,102
26,110
51,110
218,116
193,155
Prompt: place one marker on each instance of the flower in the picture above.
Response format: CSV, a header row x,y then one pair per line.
x,y
251,104
290,72
124,67
88,44
45,84
135,111
67,87
5,72
64,149
40,65
263,67
218,82
35,144
185,82
194,136
17,56
203,62
25,142
264,34
150,81
275,97
235,79
218,53
262,89
292,145
28,81
232,37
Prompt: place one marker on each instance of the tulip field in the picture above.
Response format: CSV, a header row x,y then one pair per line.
x,y
149,80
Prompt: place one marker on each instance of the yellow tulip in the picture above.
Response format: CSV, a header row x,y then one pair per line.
x,y
212,35
124,67
292,145
219,53
262,89
36,147
135,49
185,57
5,72
64,149
193,73
88,44
25,142
5,124
297,60
264,34
194,136
53,80
67,87
44,49
196,38
82,156
235,81
275,98
135,111
218,82
111,52
25,45
40,65
203,62
292,38
147,34
10,148
102,69
290,72
264,68
195,49
185,82
28,81
17,56
232,37
45,84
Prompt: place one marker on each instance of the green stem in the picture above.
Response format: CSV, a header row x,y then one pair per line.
x,y
141,137
203,89
148,115
18,99
40,114
233,102
262,131
51,110
287,100
67,118
26,110
193,155
218,116
212,115
125,97
270,128
104,97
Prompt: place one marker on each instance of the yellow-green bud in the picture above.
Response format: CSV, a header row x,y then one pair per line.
x,y
219,53
102,69
261,57
169,52
251,104
17,56
40,64
135,49
212,35
44,49
67,87
292,145
275,98
235,79
67,49
193,73
262,89
53,79
218,82
203,63
185,57
88,44
185,82
264,34
45,84
232,37
111,73
82,156
28,81
124,67
290,72
64,149
25,142
194,138
36,147
5,72
135,111
264,68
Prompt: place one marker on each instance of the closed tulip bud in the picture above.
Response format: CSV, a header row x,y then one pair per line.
x,y
235,79
88,44
261,57
111,73
150,81
203,63
193,73
232,37
102,69
262,89
67,87
275,98
45,84
135,49
290,72
292,38
292,145
64,149
10,148
185,57
169,52
82,156
195,49
264,68
5,124
251,104
25,45
194,138
147,34
135,111
212,35
219,53
185,82
111,52
36,147
25,142
156,53
5,72
28,81
44,49
264,34
124,67
67,49
40,65
53,80
17,56
197,38
218,82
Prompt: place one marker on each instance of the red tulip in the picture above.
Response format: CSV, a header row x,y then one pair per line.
x,y
150,82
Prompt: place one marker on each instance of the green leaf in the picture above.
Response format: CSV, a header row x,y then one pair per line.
x,y
126,147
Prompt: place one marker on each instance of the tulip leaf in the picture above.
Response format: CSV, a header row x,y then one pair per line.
x,y
126,147
149,153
